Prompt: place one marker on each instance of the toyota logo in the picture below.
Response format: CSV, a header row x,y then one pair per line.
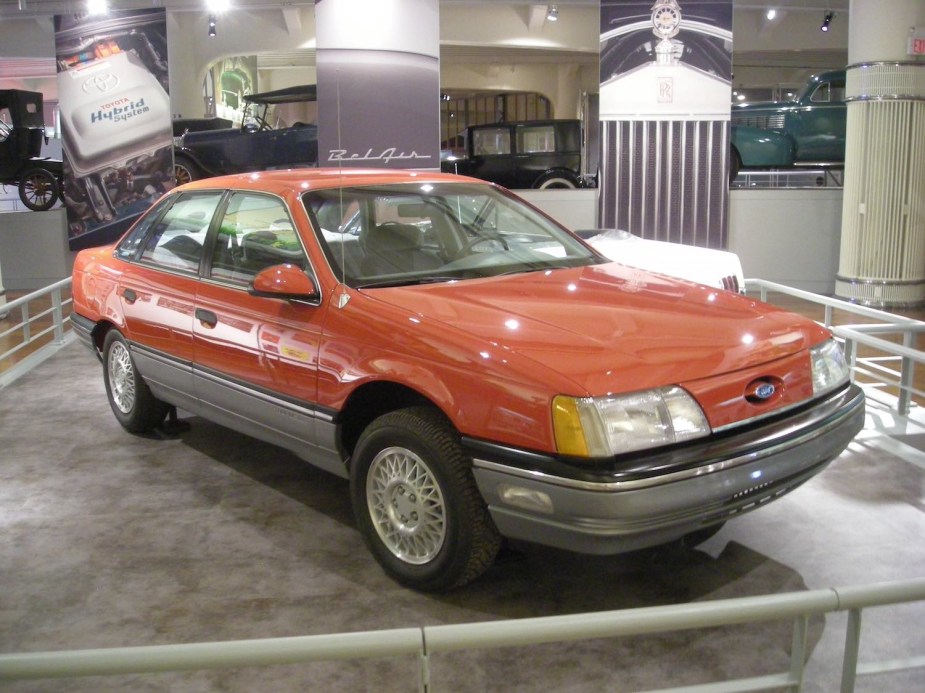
x,y
102,83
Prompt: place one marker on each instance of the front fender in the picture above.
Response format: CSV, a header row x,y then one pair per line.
x,y
760,148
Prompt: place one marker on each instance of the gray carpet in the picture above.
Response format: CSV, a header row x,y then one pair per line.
x,y
108,539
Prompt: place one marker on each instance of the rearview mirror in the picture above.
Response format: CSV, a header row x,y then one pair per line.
x,y
285,282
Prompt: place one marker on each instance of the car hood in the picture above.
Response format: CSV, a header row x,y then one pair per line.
x,y
704,265
606,328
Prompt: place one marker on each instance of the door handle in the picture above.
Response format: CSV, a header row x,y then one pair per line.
x,y
129,295
206,317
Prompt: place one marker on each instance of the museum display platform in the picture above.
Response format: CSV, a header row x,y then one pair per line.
x,y
114,540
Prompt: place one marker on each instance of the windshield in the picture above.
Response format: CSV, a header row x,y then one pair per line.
x,y
423,232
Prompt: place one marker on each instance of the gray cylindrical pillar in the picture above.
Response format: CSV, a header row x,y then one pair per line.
x,y
882,259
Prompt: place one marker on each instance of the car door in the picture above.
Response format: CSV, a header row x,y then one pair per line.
x,y
156,292
257,357
819,126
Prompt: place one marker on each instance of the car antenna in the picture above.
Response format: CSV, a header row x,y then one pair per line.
x,y
343,296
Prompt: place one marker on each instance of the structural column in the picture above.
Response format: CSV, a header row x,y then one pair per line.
x,y
882,260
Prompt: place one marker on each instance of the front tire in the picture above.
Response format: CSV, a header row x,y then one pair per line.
x,y
131,400
185,169
416,502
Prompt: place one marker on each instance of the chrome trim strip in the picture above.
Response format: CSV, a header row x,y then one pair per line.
x,y
274,400
637,484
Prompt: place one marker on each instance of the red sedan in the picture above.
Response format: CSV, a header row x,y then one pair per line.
x,y
476,370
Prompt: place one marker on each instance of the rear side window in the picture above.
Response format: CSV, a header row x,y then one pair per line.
x,y
128,247
491,142
536,139
176,241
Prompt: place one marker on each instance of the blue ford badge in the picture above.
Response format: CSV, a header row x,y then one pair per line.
x,y
764,391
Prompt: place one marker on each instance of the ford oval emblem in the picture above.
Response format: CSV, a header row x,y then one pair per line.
x,y
763,390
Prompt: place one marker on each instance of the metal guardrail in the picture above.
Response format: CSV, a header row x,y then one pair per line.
x,y
425,642
893,364
29,336
823,177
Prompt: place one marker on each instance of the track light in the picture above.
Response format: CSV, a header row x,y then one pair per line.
x,y
552,13
826,21
211,25
95,7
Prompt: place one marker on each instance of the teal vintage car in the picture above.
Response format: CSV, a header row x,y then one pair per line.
x,y
806,131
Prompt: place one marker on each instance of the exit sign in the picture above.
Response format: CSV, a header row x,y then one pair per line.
x,y
917,45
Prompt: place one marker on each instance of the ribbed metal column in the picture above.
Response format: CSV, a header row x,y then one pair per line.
x,y
882,261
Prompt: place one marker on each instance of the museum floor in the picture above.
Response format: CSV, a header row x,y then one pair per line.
x,y
108,539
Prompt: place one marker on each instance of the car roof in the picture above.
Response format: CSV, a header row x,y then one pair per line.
x,y
302,179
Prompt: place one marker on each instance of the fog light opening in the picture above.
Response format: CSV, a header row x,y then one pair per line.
x,y
526,499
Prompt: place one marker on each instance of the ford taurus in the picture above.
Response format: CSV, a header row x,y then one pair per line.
x,y
475,370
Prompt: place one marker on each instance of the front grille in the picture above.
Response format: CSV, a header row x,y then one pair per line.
x,y
771,121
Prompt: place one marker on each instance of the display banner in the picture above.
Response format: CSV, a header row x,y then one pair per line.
x,y
115,120
378,69
665,95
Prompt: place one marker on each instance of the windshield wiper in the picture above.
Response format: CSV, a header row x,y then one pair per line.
x,y
408,281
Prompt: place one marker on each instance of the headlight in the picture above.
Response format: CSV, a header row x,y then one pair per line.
x,y
612,425
830,370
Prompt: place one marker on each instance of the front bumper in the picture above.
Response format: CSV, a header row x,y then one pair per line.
x,y
666,495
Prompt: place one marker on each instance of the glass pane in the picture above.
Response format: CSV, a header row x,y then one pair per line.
x,y
256,232
178,239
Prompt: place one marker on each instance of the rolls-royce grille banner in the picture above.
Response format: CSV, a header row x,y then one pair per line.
x,y
378,69
115,120
666,71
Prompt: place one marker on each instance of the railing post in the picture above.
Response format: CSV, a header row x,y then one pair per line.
x,y
828,316
798,651
26,324
906,376
849,671
58,317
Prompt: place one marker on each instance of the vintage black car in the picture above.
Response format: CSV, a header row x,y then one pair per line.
x,y
263,141
522,155
22,134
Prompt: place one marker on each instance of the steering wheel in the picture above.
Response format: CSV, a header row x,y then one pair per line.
x,y
496,238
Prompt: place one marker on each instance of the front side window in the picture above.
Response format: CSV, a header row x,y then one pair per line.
x,y
255,232
177,240
428,232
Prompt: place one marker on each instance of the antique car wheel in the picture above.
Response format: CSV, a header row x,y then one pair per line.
x,y
185,169
39,189
555,180
131,400
417,504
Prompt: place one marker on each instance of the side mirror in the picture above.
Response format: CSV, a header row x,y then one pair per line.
x,y
287,282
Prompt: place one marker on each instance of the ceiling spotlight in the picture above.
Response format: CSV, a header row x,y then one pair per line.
x,y
771,14
97,7
211,25
827,20
552,13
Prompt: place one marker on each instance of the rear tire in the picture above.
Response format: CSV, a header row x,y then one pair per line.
x,y
131,400
417,504
39,189
554,181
